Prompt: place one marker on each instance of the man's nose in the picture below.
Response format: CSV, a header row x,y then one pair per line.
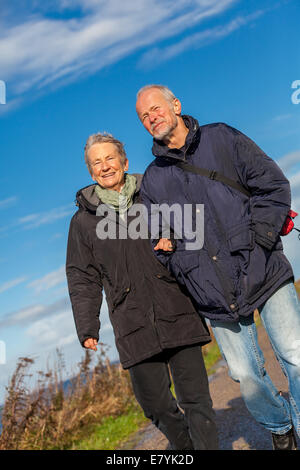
x,y
152,116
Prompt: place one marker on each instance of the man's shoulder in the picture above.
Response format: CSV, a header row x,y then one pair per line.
x,y
218,127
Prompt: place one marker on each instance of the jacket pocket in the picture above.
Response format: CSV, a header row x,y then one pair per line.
x,y
126,316
250,259
240,237
201,277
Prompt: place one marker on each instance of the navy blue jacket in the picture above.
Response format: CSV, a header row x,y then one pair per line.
x,y
241,262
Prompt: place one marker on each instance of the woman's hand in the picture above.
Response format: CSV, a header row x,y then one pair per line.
x,y
91,343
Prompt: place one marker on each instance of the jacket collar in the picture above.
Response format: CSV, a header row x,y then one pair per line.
x,y
159,149
86,198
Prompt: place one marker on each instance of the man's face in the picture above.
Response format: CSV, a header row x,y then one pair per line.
x,y
157,115
106,165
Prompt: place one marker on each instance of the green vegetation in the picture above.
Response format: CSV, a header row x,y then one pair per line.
x,y
111,432
97,411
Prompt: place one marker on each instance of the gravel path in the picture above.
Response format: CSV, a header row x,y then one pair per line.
x,y
237,429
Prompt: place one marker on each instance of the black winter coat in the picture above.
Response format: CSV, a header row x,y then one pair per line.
x,y
148,310
241,262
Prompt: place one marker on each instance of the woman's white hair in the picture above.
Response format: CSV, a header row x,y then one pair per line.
x,y
101,138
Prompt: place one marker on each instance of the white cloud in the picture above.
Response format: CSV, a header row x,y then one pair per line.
x,y
48,281
9,201
104,33
196,41
282,117
289,160
41,218
53,332
32,312
37,219
9,284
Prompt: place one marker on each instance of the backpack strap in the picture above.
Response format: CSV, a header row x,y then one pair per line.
x,y
213,175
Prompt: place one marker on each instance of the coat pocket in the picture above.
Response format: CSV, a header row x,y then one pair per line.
x,y
126,316
202,280
240,237
250,259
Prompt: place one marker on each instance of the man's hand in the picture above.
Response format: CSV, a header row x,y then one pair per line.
x,y
91,343
164,244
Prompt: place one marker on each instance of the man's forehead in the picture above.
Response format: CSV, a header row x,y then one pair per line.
x,y
150,96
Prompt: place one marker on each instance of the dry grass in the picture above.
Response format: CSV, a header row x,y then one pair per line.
x,y
51,417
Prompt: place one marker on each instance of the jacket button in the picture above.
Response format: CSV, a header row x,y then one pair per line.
x,y
128,289
232,306
270,234
214,258
159,276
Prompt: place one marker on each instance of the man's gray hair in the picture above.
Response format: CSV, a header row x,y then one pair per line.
x,y
168,94
103,138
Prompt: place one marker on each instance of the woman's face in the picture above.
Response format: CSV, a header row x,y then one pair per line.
x,y
106,166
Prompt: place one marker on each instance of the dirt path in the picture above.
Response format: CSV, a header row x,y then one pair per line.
x,y
237,429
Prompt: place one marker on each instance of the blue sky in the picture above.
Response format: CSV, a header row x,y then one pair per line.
x,y
72,68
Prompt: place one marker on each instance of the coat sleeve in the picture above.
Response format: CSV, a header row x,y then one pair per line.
x,y
269,188
157,226
84,283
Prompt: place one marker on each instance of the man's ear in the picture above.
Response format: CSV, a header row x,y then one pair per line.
x,y
177,106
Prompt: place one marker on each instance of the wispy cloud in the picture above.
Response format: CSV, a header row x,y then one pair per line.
x,y
34,312
8,202
10,284
49,280
41,218
89,36
37,219
195,41
289,160
282,117
54,332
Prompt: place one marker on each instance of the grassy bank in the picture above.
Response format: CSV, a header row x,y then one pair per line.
x,y
112,432
97,410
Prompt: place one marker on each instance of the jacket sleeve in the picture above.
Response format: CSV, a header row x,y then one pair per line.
x,y
84,283
158,228
269,188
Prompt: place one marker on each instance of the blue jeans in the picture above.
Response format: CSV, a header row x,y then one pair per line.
x,y
238,344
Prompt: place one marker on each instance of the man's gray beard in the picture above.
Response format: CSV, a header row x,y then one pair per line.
x,y
167,132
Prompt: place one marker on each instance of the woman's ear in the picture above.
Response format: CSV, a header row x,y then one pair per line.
x,y
126,165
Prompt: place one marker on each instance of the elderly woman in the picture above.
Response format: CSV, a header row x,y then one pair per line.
x,y
154,322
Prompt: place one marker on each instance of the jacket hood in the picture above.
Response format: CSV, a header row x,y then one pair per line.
x,y
160,149
86,198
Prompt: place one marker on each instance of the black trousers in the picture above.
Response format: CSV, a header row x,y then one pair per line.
x,y
193,429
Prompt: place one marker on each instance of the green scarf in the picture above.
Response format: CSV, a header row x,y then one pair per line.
x,y
119,201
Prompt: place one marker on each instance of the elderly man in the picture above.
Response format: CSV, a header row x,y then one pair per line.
x,y
155,324
240,266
